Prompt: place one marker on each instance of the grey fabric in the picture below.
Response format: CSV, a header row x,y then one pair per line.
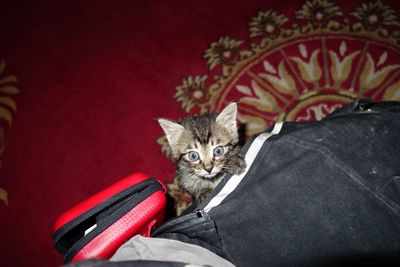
x,y
138,263
160,249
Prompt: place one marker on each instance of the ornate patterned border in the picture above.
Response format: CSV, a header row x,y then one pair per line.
x,y
372,20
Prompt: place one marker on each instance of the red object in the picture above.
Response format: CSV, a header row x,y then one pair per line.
x,y
96,227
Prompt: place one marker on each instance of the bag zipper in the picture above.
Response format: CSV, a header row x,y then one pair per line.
x,y
198,214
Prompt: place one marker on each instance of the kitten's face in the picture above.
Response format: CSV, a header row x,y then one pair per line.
x,y
201,144
203,152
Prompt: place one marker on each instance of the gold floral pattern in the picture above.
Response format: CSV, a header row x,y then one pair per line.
x,y
192,92
7,108
373,16
7,89
225,51
267,24
371,76
318,12
309,68
341,64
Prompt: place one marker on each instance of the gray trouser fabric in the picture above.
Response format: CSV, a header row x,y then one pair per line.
x,y
160,249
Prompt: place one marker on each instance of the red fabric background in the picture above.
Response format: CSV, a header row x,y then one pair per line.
x,y
93,77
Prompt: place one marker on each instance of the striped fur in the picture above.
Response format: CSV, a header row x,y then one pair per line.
x,y
204,148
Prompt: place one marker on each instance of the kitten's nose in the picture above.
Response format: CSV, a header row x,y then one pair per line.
x,y
208,168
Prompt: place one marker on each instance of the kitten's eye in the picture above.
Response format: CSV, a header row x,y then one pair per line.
x,y
194,156
218,151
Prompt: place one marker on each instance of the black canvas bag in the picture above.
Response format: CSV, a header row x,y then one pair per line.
x,y
323,193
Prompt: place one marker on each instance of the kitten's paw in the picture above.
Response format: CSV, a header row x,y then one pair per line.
x,y
203,194
240,163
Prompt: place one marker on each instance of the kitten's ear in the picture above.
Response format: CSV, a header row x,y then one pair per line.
x,y
172,130
227,119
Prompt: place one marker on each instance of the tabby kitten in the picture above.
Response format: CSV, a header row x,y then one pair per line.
x,y
204,148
